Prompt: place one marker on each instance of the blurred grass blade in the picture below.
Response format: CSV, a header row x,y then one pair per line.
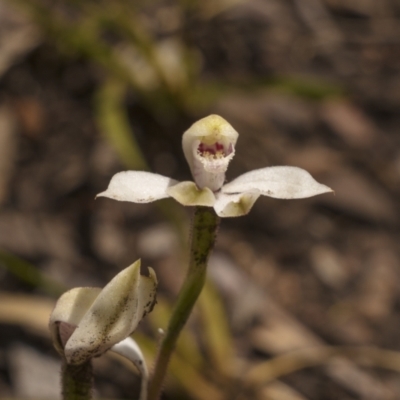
x,y
216,331
29,274
28,311
114,124
285,364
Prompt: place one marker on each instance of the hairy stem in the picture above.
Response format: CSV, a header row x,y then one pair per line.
x,y
77,381
205,225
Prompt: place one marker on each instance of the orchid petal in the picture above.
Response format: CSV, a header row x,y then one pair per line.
x,y
68,312
234,205
278,182
114,314
130,350
209,145
138,187
188,194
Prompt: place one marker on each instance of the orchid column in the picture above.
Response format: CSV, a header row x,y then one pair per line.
x,y
208,145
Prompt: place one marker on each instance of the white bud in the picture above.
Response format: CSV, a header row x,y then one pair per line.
x,y
102,318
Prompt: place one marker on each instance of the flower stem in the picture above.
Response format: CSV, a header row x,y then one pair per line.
x,y
205,226
77,381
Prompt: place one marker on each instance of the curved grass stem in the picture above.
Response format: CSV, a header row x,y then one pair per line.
x,y
204,231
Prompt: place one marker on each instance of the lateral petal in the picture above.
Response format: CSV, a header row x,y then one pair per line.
x,y
138,187
234,205
278,182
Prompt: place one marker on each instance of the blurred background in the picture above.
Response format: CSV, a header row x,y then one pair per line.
x,y
303,301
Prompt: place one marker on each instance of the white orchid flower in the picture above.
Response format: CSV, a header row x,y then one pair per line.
x,y
86,322
209,146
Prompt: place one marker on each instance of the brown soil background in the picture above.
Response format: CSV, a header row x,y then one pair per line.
x,y
310,83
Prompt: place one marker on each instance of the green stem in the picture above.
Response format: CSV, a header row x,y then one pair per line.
x,y
205,225
77,381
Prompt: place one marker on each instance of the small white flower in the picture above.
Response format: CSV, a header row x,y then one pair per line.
x,y
86,322
209,145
